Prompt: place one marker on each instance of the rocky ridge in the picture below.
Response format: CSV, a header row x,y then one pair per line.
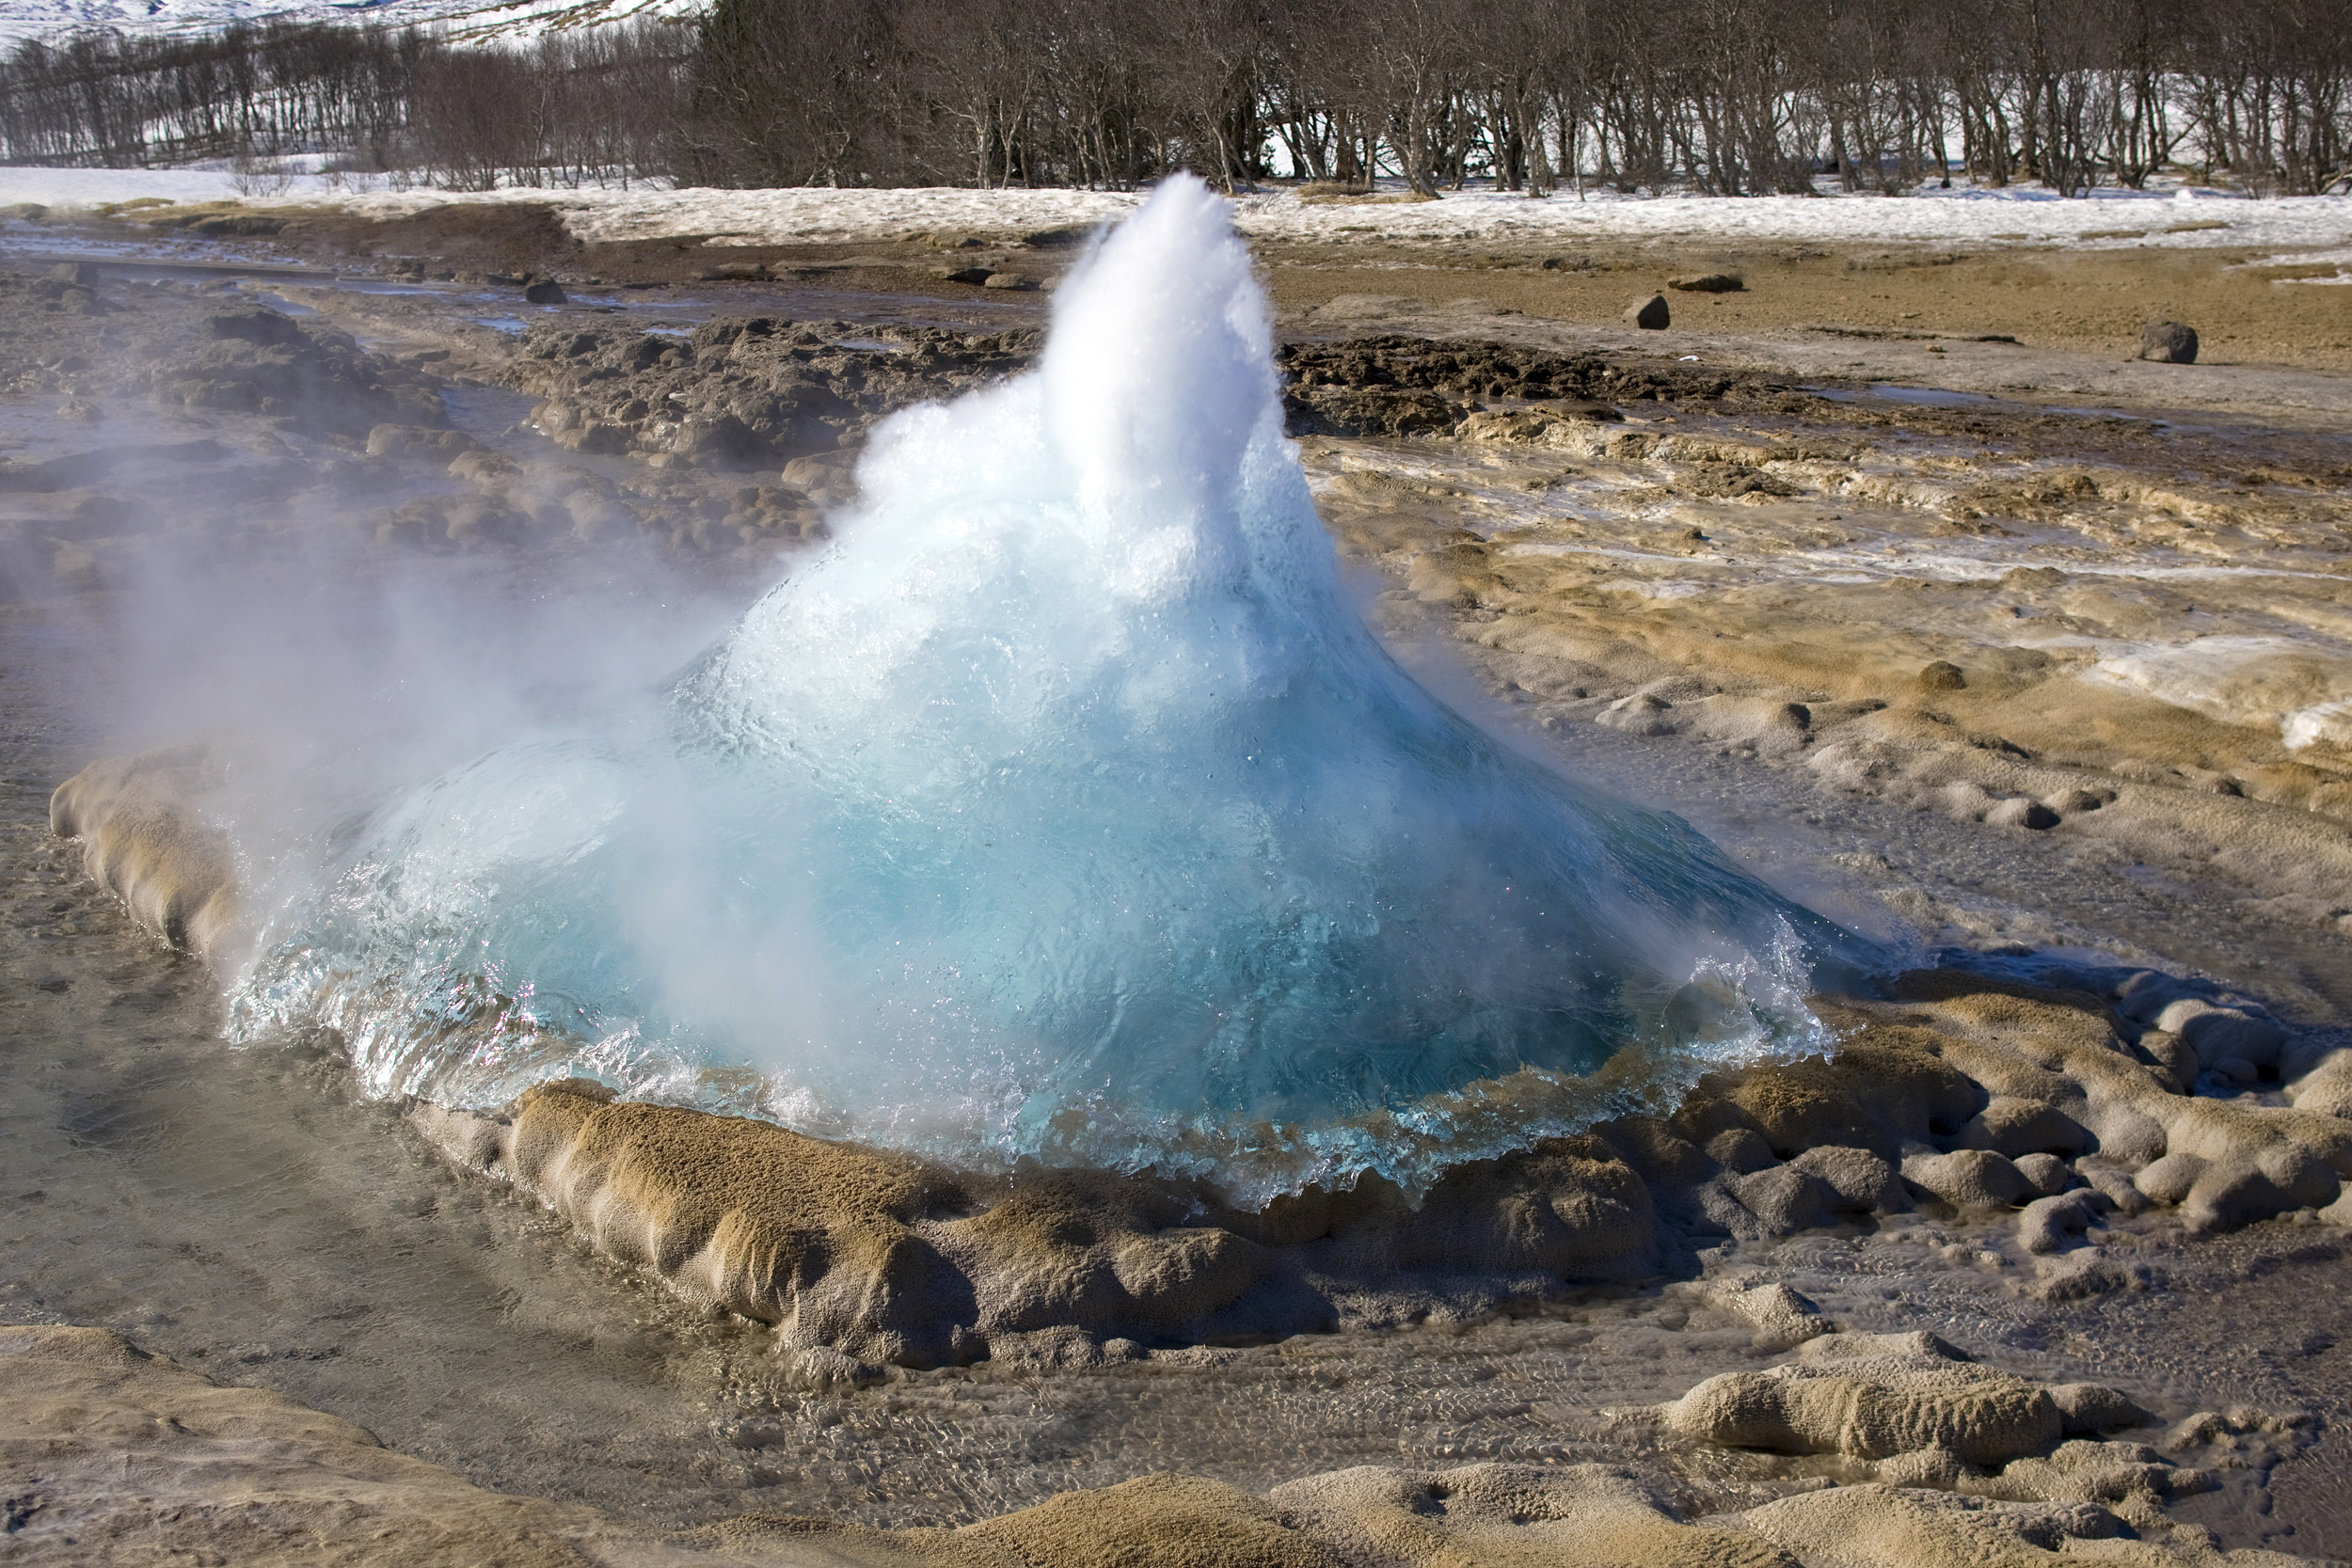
x,y
112,1455
2082,1099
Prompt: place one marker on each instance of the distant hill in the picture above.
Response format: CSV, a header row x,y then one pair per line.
x,y
48,19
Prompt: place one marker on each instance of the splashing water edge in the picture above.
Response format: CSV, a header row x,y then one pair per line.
x,y
1062,809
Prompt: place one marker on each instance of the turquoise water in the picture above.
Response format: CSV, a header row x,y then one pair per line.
x,y
1063,808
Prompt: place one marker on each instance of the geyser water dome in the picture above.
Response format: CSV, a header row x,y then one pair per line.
x,y
1061,808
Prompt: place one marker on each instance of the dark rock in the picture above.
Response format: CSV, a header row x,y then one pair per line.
x,y
1725,481
1858,1180
1463,371
2230,1195
1710,283
976,276
1009,280
2087,1409
2169,343
1740,1150
2012,1126
1943,676
1373,411
237,225
742,392
2020,812
253,324
545,291
1650,314
260,362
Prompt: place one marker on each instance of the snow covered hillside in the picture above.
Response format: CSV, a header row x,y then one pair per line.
x,y
2166,216
22,19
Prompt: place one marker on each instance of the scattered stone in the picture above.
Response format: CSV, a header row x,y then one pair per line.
x,y
1862,1182
1871,1400
2084,1275
1019,282
2055,1223
238,226
2230,1194
2021,812
1782,1316
1643,714
2074,802
1740,1150
2219,1033
1710,283
1650,314
73,275
1968,1179
2046,1173
1776,1201
975,276
2087,1409
545,291
742,393
2014,1125
2115,1184
252,323
1943,675
2169,343
2167,1181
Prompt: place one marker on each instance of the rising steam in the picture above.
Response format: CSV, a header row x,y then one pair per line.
x,y
1062,808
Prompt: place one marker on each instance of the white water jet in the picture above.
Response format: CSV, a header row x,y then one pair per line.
x,y
1062,808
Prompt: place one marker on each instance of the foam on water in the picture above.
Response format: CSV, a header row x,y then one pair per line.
x,y
1062,808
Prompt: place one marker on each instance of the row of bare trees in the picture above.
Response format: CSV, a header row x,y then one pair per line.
x,y
569,107
1728,97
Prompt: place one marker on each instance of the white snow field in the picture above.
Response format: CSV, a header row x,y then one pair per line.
x,y
2184,217
464,18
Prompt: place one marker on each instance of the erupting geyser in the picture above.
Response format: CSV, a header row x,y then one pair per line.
x,y
1062,808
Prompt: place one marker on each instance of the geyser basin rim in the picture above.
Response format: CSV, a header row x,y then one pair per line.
x,y
1062,809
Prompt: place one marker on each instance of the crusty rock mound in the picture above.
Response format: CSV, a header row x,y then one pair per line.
x,y
2051,1108
1974,1097
142,841
863,1258
747,391
111,1456
1873,1397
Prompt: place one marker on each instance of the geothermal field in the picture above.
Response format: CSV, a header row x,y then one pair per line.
x,y
1046,879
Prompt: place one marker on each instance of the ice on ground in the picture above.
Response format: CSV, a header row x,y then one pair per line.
x,y
2162,216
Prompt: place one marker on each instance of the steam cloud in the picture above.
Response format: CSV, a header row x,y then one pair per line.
x,y
1063,808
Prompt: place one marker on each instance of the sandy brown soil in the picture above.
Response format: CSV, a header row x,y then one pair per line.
x,y
1727,583
2248,308
2087,302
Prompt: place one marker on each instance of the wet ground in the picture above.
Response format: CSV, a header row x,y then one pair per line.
x,y
239,1210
